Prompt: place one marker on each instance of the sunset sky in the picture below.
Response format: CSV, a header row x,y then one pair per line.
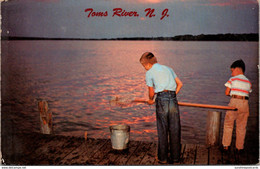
x,y
68,19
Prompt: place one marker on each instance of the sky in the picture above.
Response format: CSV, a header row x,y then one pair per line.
x,y
68,19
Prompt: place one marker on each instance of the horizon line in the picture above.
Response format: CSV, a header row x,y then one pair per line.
x,y
201,37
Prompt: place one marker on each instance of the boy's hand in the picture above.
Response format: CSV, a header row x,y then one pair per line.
x,y
150,102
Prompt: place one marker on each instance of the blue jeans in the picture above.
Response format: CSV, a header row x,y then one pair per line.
x,y
168,126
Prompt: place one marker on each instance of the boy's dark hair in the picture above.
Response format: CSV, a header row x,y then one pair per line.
x,y
148,57
239,63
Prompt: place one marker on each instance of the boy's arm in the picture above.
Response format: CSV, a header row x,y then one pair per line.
x,y
227,92
228,85
151,95
179,85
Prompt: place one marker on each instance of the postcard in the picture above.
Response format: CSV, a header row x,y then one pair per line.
x,y
129,82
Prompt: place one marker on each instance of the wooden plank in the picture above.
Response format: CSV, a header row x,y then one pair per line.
x,y
202,155
213,128
39,149
110,157
252,147
252,153
100,154
228,157
16,148
36,142
189,154
249,156
126,154
215,155
242,158
139,154
149,157
183,146
10,149
71,144
236,157
81,154
41,155
45,117
55,151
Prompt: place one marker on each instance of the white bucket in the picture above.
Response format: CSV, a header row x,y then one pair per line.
x,y
120,135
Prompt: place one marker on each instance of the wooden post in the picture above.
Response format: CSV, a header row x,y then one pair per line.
x,y
213,128
45,117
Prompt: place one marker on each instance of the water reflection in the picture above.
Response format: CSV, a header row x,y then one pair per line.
x,y
78,79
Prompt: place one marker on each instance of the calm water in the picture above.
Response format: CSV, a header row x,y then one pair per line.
x,y
78,78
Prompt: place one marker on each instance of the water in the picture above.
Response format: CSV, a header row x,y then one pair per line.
x,y
78,78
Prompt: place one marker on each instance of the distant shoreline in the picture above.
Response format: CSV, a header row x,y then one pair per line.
x,y
202,37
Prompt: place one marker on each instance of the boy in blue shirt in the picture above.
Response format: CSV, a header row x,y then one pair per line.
x,y
164,83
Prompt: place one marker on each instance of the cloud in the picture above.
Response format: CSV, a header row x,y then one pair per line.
x,y
153,1
200,2
149,1
42,1
228,2
219,2
48,0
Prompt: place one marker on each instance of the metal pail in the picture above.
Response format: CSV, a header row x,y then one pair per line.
x,y
120,135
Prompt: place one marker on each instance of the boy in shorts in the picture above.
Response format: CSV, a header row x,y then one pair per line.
x,y
238,87
164,83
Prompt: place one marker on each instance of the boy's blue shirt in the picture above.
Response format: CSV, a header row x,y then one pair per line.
x,y
161,78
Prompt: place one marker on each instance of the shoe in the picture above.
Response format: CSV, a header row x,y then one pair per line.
x,y
173,161
161,162
176,161
240,151
224,148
